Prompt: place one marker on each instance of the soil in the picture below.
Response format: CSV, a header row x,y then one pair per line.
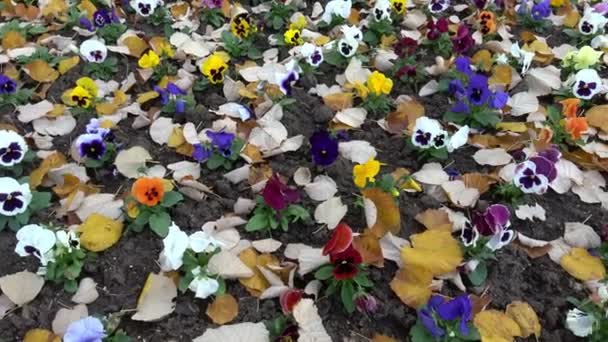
x,y
120,272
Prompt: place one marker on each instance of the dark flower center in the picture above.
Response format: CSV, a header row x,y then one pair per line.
x,y
152,194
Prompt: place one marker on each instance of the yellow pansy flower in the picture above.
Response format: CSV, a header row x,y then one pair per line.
x,y
165,49
363,173
398,6
148,60
379,84
361,90
557,3
80,97
241,26
214,68
88,84
586,57
299,23
293,37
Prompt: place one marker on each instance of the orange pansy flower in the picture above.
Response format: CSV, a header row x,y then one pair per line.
x,y
148,191
570,107
576,126
487,22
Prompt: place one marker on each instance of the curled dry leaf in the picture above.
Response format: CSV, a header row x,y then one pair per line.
x,y
21,287
102,204
330,212
98,232
87,292
31,112
435,219
391,246
357,151
302,176
266,245
257,283
388,219
132,161
582,265
581,235
310,324
156,298
523,103
242,332
65,317
526,318
368,244
59,126
459,194
223,309
431,173
322,189
5,305
494,157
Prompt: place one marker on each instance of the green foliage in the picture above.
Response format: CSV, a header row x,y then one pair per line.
x,y
218,160
334,58
170,107
266,218
276,327
111,32
198,261
378,105
165,68
480,117
41,53
240,48
335,21
441,46
509,192
538,25
214,17
20,97
278,15
25,29
156,217
377,29
66,267
160,17
105,70
348,289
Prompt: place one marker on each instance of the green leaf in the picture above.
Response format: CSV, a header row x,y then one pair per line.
x,y
159,223
486,118
142,218
473,333
439,153
458,118
185,281
325,272
3,222
171,198
419,334
362,279
215,161
70,285
257,222
40,200
480,274
254,53
347,294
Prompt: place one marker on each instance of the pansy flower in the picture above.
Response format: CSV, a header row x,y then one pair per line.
x,y
12,148
587,83
88,329
201,153
580,323
592,22
201,285
212,4
91,146
214,67
93,50
286,79
458,309
144,7
289,298
436,28
541,10
379,84
364,173
35,240
535,175
278,195
438,6
428,133
576,126
149,60
477,89
241,25
172,92
346,263
524,57
312,53
337,8
487,22
352,32
463,40
347,47
293,37
406,46
340,239
469,235
68,239
382,10
148,191
103,17
175,245
80,97
398,6
324,148
7,85
222,140
14,197
493,220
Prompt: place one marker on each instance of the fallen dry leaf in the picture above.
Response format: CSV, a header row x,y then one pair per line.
x,y
156,299
223,309
98,232
526,318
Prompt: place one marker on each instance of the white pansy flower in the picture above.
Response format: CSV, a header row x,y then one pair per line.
x,y
580,323
524,57
352,32
144,7
14,197
203,286
600,42
592,22
37,241
602,292
347,47
12,148
312,53
93,50
382,10
425,131
337,8
175,245
587,83
68,239
203,242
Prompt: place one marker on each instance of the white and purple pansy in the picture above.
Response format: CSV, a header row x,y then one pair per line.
x,y
493,224
93,50
312,53
469,235
382,10
501,239
91,146
535,175
587,83
144,7
12,148
428,133
286,79
14,197
592,22
438,6
35,240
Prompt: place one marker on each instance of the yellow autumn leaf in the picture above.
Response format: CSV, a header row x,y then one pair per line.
x,y
136,45
338,101
526,318
368,244
88,7
572,18
58,110
433,250
582,265
322,40
147,96
99,232
223,309
382,338
501,74
495,326
517,127
176,138
68,63
435,219
412,286
53,161
12,40
40,335
388,219
55,8
483,59
40,71
257,283
106,108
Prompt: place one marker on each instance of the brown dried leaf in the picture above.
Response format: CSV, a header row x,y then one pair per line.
x,y
13,39
224,309
388,216
136,45
483,59
411,285
40,71
338,101
479,181
404,118
368,245
257,283
253,153
435,219
526,318
598,117
382,338
53,161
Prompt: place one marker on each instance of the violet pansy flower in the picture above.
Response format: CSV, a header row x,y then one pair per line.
x,y
7,85
587,83
438,6
477,90
278,195
324,148
201,153
222,140
91,146
495,219
88,329
12,148
535,175
14,197
457,309
463,40
541,10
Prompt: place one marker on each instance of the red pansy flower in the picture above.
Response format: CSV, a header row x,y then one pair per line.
x,y
346,263
340,240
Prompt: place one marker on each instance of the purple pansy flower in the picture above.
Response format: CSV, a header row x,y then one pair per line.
x,y
461,107
477,90
463,39
587,84
86,23
278,195
493,220
7,85
286,82
469,235
222,140
480,3
101,17
552,153
366,303
12,148
88,329
463,64
14,197
211,4
426,316
456,88
442,309
535,175
499,99
324,148
91,146
201,153
541,10
94,127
